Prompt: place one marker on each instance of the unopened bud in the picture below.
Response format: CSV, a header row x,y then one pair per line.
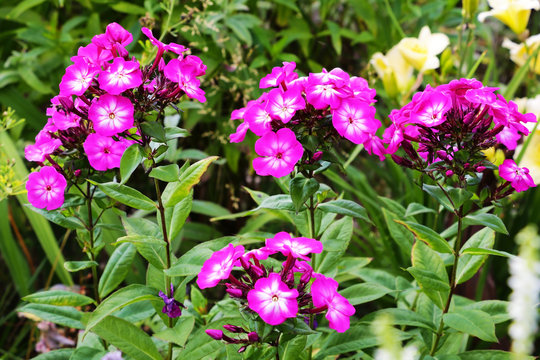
x,y
77,172
317,155
253,337
257,270
245,264
449,173
235,293
234,328
480,168
242,349
215,334
305,277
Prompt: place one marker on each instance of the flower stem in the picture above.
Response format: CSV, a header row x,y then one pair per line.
x,y
313,235
453,284
90,227
161,210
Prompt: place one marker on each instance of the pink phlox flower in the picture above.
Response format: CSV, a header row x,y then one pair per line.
x,y
111,114
321,95
104,152
259,118
279,74
77,79
120,76
337,76
298,84
115,34
519,178
273,300
393,136
94,55
302,267
457,89
44,145
483,95
298,247
194,65
509,137
324,293
46,188
280,150
361,90
175,48
186,79
259,254
355,120
283,105
240,133
219,266
432,108
374,145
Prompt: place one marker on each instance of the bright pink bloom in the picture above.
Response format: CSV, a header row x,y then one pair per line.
x,y
298,247
77,79
283,104
104,152
214,333
323,95
324,293
520,178
115,34
194,65
120,76
374,145
175,48
509,137
64,121
186,79
278,75
94,55
111,114
46,188
219,266
240,133
432,109
44,146
336,76
355,120
281,152
259,119
361,90
273,300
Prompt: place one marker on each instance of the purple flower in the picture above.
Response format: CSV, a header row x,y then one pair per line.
x,y
282,105
324,293
298,247
281,151
175,48
278,75
520,178
355,120
45,145
121,75
46,188
172,306
273,300
111,114
219,266
104,152
214,333
77,79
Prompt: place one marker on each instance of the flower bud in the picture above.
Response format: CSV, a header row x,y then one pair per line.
x,y
253,337
317,155
469,8
234,328
242,349
449,173
257,270
215,334
480,168
235,293
77,172
245,264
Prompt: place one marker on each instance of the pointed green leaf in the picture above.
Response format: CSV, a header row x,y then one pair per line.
x,y
345,207
167,173
131,159
469,264
126,195
151,248
74,266
490,220
302,189
472,322
62,315
58,298
427,235
364,292
117,268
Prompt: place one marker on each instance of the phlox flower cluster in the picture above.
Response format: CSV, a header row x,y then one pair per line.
x,y
295,290
447,128
325,105
96,116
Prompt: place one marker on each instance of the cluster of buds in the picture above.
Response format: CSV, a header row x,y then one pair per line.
x,y
447,129
105,95
275,296
324,106
252,337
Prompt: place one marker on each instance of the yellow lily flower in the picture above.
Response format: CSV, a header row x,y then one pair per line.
x,y
422,52
513,13
519,53
531,157
395,73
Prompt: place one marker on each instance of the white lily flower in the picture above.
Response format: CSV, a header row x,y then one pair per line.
x,y
422,52
513,13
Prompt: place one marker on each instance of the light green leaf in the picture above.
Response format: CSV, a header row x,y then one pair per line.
x,y
128,8
345,207
62,315
490,220
364,292
151,248
404,317
291,349
472,322
117,268
479,251
58,298
167,173
74,266
131,159
60,354
428,236
176,216
126,195
469,264
57,217
180,332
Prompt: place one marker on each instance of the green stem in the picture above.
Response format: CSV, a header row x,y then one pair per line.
x,y
453,284
90,227
161,209
465,48
313,235
394,19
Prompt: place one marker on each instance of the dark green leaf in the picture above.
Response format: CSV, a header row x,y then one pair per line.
x,y
151,248
131,159
58,298
469,264
58,218
427,235
62,315
127,196
472,322
74,266
117,268
363,293
60,354
345,207
301,189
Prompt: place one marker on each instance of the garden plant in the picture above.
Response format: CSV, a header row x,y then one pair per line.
x,y
237,179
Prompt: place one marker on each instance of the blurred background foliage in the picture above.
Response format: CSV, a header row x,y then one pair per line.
x,y
240,41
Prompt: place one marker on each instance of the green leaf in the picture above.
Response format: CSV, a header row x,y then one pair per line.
x,y
402,317
123,297
74,266
57,217
176,216
277,202
131,159
497,309
490,220
175,132
457,195
429,271
128,8
468,264
335,35
302,189
176,191
336,239
480,251
417,209
117,268
364,292
488,355
151,248
198,300
126,195
87,353
60,354
291,349
58,298
28,76
345,207
209,208
403,239
428,236
472,322
180,332
62,315
167,173
128,338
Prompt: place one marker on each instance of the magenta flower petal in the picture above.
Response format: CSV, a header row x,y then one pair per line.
x,y
431,111
281,150
273,300
324,293
111,114
77,79
355,120
104,152
298,247
120,76
282,105
219,266
259,119
519,178
46,188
